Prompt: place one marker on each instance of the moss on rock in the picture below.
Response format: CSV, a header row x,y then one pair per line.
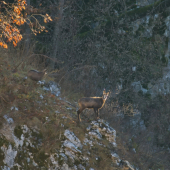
x,y
40,158
18,132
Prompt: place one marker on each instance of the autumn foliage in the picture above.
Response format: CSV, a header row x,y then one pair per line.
x,y
12,16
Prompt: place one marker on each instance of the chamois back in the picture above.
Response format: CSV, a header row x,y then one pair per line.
x,y
36,75
91,102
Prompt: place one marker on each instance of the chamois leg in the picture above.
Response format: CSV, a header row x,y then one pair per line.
x,y
96,112
78,113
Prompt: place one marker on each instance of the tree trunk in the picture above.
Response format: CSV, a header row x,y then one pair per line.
x,y
57,33
27,35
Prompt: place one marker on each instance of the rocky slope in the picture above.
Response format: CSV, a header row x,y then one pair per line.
x,y
21,147
40,131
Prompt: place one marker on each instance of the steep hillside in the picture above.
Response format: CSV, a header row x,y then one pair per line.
x,y
39,129
53,139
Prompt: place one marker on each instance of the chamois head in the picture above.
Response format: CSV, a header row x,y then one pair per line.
x,y
105,95
36,75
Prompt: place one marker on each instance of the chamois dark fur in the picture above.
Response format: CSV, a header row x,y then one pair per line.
x,y
36,75
95,103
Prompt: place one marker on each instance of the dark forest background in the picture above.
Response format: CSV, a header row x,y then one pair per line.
x,y
95,44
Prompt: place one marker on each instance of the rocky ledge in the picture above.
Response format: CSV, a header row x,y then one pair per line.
x,y
19,147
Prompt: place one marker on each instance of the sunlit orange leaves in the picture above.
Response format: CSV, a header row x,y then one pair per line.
x,y
19,6
47,18
11,33
14,44
14,17
19,21
18,18
8,23
3,45
16,9
16,39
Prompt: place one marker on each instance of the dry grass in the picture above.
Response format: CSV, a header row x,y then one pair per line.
x,y
32,110
41,113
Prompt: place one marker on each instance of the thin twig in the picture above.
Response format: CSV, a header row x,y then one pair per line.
x,y
45,56
86,66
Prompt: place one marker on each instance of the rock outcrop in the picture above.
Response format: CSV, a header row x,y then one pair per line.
x,y
20,144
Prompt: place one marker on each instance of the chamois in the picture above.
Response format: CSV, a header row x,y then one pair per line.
x,y
95,103
36,75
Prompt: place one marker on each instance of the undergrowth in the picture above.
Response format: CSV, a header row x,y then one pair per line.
x,y
21,99
28,104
